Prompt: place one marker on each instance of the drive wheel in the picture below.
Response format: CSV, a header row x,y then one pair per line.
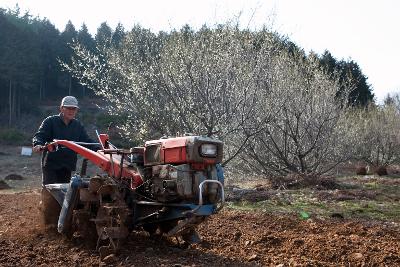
x,y
151,228
167,226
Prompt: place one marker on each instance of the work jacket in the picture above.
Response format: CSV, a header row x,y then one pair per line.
x,y
53,127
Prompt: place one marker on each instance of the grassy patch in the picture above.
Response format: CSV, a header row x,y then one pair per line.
x,y
11,136
299,202
291,201
385,211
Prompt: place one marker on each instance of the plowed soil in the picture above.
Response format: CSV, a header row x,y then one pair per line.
x,y
231,238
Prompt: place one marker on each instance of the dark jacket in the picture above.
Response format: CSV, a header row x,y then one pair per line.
x,y
53,127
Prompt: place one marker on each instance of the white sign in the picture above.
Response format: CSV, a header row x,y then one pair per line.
x,y
26,151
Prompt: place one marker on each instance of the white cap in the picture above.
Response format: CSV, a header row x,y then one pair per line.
x,y
69,101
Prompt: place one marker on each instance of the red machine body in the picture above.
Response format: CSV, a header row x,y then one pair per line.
x,y
177,150
109,160
180,150
169,185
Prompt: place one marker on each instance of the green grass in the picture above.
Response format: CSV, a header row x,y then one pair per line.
x,y
385,211
11,136
293,202
384,207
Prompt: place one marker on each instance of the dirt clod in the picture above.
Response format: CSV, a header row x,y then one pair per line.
x,y
357,256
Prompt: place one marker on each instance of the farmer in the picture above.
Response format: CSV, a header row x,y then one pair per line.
x,y
58,165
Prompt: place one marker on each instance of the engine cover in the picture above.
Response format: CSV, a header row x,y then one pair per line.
x,y
181,182
182,150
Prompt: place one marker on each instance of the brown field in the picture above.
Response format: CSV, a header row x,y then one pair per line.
x,y
354,225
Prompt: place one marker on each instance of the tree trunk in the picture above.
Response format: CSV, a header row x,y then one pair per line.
x,y
83,91
70,85
10,104
18,104
14,103
41,90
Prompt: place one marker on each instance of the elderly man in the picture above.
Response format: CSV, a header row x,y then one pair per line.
x,y
58,165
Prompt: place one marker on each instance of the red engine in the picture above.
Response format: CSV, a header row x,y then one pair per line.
x,y
175,167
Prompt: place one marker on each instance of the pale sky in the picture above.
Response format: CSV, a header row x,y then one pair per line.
x,y
366,31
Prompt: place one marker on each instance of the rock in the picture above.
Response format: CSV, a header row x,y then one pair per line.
x,y
357,256
75,257
253,257
361,170
237,236
110,259
381,170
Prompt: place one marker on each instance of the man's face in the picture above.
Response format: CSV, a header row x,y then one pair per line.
x,y
69,113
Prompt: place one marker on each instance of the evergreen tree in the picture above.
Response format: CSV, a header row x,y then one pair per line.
x,y
362,94
103,35
20,58
49,68
349,74
328,62
118,35
85,38
67,37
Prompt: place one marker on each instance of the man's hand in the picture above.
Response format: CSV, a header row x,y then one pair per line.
x,y
38,148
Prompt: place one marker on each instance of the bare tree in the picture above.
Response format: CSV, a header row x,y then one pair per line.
x,y
377,131
213,82
240,86
393,99
308,132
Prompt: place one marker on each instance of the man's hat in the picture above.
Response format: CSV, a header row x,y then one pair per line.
x,y
69,101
